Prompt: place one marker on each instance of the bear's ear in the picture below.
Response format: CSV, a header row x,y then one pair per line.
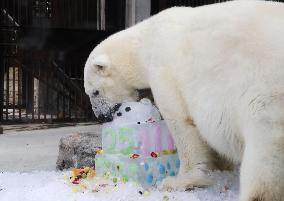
x,y
102,65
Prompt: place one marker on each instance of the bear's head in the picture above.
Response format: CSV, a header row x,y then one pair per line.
x,y
112,74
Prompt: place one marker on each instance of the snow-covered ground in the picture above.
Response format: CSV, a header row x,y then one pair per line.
x,y
51,186
27,173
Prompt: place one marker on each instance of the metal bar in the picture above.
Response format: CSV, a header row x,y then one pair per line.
x,y
14,90
69,16
52,110
27,93
81,98
57,103
86,108
76,13
32,92
63,106
27,12
82,11
7,91
20,92
19,12
65,90
2,90
46,94
75,103
63,12
39,88
69,105
2,85
13,10
87,14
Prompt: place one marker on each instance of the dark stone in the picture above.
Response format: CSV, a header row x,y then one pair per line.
x,y
78,150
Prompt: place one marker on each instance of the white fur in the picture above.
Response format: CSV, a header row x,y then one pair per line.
x,y
221,66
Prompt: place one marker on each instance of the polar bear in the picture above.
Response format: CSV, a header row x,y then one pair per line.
x,y
217,76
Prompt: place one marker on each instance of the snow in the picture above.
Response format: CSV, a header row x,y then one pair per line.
x,y
22,154
51,186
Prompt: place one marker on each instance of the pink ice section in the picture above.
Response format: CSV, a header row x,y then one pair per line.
x,y
158,139
155,137
171,143
145,142
151,137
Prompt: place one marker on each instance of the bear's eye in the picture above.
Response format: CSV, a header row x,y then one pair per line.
x,y
127,109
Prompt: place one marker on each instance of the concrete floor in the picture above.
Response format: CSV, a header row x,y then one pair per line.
x,y
26,151
39,126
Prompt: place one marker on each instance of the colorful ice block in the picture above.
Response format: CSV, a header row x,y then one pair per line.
x,y
137,146
147,171
140,139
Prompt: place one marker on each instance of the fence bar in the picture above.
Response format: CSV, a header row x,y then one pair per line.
x,y
70,96
32,92
63,107
57,103
75,104
45,110
1,86
20,92
26,93
39,88
7,90
14,91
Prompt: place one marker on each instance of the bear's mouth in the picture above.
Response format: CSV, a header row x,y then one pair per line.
x,y
103,109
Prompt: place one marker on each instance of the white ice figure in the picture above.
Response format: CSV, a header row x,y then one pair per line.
x,y
137,113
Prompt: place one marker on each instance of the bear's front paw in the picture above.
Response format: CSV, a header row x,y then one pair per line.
x,y
185,182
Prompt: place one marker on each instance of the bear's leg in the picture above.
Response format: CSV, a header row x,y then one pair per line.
x,y
262,169
196,157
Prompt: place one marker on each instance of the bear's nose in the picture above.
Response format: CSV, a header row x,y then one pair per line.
x,y
96,92
105,118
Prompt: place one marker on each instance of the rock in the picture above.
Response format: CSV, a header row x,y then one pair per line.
x,y
78,150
